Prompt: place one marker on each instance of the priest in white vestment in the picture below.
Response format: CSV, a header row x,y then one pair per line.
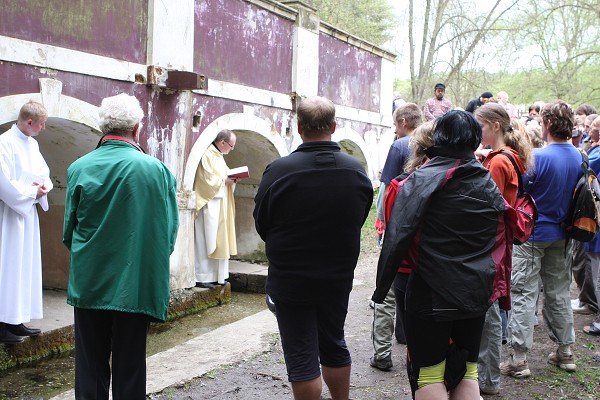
x,y
24,183
215,213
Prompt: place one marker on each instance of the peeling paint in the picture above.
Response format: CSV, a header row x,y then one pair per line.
x,y
114,29
241,43
357,78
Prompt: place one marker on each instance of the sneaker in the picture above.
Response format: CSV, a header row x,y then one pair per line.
x,y
517,370
383,364
489,391
581,308
563,361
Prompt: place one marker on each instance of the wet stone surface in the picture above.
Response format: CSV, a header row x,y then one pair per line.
x,y
45,379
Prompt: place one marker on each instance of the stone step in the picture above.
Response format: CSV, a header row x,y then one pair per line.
x,y
57,326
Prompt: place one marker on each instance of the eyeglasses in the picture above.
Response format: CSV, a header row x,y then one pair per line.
x,y
229,144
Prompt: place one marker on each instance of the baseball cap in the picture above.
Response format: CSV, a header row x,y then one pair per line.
x,y
486,95
440,86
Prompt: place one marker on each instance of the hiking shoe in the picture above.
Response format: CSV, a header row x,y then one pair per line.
x,y
383,364
519,369
490,391
563,361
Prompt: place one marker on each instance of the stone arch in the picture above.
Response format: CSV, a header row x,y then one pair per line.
x,y
248,127
258,144
71,131
353,144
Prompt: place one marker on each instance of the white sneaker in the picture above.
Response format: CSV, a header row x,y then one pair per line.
x,y
581,308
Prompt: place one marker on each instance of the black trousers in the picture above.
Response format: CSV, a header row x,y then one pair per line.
x,y
100,333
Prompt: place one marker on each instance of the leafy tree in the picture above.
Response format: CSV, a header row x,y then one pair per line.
x,y
371,20
566,38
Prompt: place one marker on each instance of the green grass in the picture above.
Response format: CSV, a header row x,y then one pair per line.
x,y
368,235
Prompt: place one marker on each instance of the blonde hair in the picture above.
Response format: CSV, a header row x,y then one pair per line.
x,y
32,110
421,140
514,135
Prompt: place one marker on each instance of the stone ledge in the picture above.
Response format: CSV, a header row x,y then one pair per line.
x,y
62,339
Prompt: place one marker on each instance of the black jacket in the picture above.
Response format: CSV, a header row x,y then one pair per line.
x,y
445,221
309,210
473,105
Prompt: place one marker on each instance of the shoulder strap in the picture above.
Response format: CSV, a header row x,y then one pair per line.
x,y
514,163
585,162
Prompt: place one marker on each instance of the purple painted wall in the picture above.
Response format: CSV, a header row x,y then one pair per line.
x,y
348,75
243,43
113,29
159,107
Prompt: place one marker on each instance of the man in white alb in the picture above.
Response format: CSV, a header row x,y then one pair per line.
x,y
24,182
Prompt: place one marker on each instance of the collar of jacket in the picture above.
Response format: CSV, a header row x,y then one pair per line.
x,y
325,145
449,151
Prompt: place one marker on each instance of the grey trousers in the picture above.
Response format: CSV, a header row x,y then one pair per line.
x,y
382,331
490,350
531,261
580,264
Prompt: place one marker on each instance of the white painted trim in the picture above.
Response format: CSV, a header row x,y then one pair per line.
x,y
169,23
356,114
356,41
63,59
387,90
234,122
276,8
57,104
58,58
248,94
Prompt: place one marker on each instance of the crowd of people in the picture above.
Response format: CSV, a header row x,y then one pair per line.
x,y
450,284
436,237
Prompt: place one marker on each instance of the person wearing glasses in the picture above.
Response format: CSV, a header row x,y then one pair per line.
x,y
215,213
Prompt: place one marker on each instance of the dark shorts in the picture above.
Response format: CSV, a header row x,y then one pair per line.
x,y
428,344
313,335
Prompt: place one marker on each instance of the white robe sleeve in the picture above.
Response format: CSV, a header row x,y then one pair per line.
x,y
15,195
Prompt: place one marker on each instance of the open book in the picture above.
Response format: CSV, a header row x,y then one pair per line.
x,y
239,172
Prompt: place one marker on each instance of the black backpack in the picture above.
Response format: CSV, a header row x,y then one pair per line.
x,y
581,223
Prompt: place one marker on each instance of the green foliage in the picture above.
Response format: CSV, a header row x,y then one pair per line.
x,y
368,234
371,20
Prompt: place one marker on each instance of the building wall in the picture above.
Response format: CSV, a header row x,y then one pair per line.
x,y
240,42
259,56
349,75
115,29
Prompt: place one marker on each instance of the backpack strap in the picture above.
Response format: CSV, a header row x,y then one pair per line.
x,y
585,162
517,170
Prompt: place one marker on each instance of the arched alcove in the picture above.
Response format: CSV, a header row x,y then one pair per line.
x,y
258,144
353,144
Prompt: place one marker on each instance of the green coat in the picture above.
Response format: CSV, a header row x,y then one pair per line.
x,y
120,226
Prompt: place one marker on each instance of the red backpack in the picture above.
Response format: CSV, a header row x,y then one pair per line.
x,y
524,206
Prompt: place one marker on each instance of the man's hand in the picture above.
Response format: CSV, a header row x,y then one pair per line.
x,y
41,189
230,181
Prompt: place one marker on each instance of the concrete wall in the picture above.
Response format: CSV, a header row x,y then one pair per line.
x,y
259,56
